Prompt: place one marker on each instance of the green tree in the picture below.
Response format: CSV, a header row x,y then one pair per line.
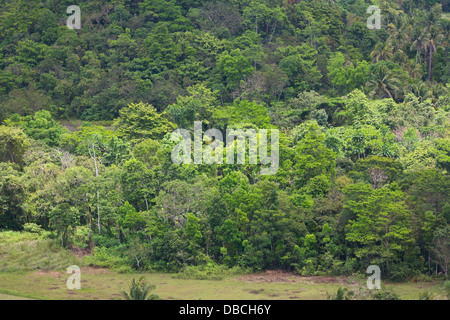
x,y
382,227
312,157
142,121
13,144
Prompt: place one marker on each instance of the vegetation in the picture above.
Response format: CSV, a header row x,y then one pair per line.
x,y
139,290
364,135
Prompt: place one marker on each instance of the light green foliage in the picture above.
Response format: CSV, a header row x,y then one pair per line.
x,y
233,66
382,226
142,121
13,144
199,105
300,67
243,112
312,158
40,126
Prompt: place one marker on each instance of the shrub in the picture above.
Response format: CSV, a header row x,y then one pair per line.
x,y
385,294
426,296
108,258
446,289
358,292
33,228
209,271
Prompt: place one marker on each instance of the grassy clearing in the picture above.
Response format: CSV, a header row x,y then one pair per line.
x,y
25,251
8,237
103,284
35,268
11,297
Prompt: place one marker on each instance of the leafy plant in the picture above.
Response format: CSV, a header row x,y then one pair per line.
x,y
140,290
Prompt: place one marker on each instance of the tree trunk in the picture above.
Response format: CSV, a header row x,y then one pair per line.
x,y
90,227
429,265
98,196
98,213
429,63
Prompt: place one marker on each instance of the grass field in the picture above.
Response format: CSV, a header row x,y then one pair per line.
x,y
103,284
34,268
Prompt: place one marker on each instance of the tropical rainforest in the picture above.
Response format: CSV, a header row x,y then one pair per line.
x,y
363,114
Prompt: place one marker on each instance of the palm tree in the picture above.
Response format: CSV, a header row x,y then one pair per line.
x,y
382,51
420,90
427,34
140,290
435,35
382,83
390,11
399,33
419,38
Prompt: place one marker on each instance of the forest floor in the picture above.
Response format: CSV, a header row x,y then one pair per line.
x,y
104,284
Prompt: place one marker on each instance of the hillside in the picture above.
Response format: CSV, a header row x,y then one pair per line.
x,y
357,119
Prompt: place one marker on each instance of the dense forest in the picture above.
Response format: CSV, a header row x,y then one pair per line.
x,y
363,116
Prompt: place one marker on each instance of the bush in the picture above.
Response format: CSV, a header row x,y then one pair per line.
x,y
400,272
358,292
102,241
446,289
209,271
341,294
108,258
426,296
33,228
7,237
424,278
385,294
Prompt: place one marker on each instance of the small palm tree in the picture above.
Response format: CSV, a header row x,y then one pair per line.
x,y
382,51
419,42
140,290
382,83
435,35
399,33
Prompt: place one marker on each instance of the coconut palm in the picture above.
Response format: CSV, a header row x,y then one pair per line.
x,y
420,90
390,11
382,83
434,36
382,51
419,42
399,33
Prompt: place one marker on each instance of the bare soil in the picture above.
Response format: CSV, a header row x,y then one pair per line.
x,y
277,276
80,252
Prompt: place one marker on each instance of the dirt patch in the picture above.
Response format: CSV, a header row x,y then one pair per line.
x,y
256,291
48,273
278,276
326,279
80,252
269,276
93,270
56,274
